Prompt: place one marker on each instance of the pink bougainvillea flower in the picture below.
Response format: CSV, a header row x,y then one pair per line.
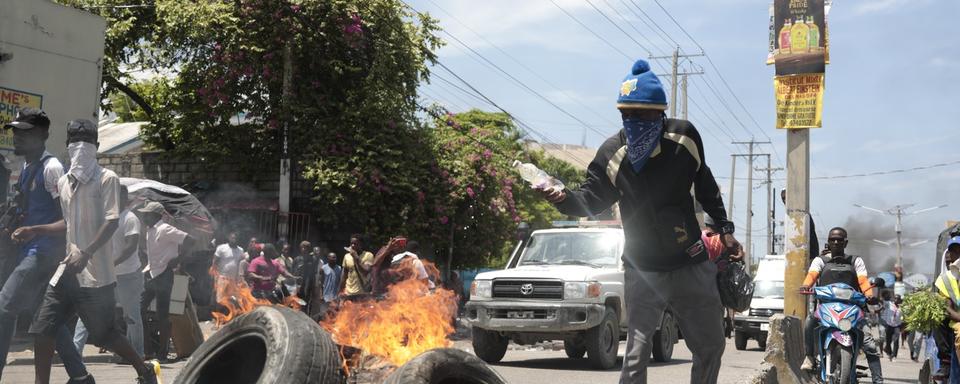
x,y
444,219
470,192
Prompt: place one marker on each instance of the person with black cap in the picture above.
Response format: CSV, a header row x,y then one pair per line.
x,y
84,283
650,167
41,243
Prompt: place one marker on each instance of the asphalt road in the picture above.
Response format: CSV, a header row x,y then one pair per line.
x,y
521,365
530,366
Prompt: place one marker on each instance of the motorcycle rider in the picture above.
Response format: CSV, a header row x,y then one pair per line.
x,y
838,267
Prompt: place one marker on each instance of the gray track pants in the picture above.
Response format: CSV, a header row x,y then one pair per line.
x,y
690,293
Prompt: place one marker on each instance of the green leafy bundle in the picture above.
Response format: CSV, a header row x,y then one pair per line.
x,y
924,310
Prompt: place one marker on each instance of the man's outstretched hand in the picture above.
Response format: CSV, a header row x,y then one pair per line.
x,y
553,195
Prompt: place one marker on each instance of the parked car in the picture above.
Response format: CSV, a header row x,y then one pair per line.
x,y
560,284
754,323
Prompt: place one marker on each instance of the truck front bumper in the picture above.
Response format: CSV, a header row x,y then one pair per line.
x,y
512,316
755,326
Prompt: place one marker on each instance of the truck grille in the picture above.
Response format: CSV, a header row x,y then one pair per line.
x,y
764,312
528,289
535,314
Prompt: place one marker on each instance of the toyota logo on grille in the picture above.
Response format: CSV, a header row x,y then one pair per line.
x,y
526,289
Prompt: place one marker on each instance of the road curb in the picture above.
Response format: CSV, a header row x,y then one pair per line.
x,y
784,355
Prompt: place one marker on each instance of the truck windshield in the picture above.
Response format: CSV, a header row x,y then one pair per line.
x,y
596,249
768,289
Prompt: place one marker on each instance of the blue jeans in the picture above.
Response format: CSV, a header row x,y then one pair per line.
x,y
21,293
129,290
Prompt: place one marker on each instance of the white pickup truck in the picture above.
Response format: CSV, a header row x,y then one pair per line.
x,y
560,284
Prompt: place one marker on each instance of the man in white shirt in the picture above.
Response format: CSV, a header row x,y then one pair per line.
x,y
164,243
84,283
40,237
126,244
226,260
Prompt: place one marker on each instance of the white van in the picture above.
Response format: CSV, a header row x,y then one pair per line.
x,y
767,301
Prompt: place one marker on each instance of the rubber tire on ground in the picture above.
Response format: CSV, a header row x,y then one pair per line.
x,y
444,366
664,339
270,344
574,349
762,342
603,341
489,346
740,340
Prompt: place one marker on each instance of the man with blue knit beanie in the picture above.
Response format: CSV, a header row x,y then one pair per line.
x,y
655,167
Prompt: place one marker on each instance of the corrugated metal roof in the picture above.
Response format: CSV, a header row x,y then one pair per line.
x,y
118,138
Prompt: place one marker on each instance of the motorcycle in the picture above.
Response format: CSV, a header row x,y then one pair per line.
x,y
840,331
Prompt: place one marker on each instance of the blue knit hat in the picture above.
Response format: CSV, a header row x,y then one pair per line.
x,y
642,89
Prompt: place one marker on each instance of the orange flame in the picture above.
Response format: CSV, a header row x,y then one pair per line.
x,y
237,298
409,321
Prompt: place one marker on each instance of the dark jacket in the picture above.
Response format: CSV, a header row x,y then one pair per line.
x,y
656,206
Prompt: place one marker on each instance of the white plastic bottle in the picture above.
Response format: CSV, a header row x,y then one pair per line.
x,y
536,177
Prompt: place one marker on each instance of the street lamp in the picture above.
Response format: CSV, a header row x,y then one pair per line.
x,y
899,211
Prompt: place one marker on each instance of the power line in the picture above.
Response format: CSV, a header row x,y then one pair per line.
x,y
519,122
869,174
526,87
720,75
618,27
614,47
518,62
675,43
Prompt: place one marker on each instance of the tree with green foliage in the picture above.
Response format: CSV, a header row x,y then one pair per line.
x,y
341,77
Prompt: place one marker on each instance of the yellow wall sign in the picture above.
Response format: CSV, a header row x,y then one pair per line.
x,y
799,100
11,100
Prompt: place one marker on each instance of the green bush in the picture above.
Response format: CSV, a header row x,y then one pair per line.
x,y
924,310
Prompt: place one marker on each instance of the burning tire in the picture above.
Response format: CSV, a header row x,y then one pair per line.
x,y
444,366
271,344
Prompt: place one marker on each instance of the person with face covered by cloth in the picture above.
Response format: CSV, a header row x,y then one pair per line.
x,y
839,267
84,283
39,237
651,167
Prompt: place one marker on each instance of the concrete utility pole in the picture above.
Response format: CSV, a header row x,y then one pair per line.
x,y
733,181
750,156
683,91
771,214
674,77
283,222
797,225
899,211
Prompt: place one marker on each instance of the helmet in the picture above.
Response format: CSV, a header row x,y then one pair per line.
x,y
953,240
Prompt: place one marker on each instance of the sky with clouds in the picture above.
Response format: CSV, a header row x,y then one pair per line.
x,y
891,99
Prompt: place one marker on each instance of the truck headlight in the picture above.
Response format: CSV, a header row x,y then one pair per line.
x,y
581,289
481,289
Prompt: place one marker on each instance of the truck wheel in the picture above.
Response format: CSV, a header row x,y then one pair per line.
x,y
740,339
603,341
762,342
489,346
664,339
446,365
574,349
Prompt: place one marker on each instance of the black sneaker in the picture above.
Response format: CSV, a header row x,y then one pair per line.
x,y
88,379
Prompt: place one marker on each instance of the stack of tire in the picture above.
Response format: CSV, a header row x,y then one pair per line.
x,y
277,345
